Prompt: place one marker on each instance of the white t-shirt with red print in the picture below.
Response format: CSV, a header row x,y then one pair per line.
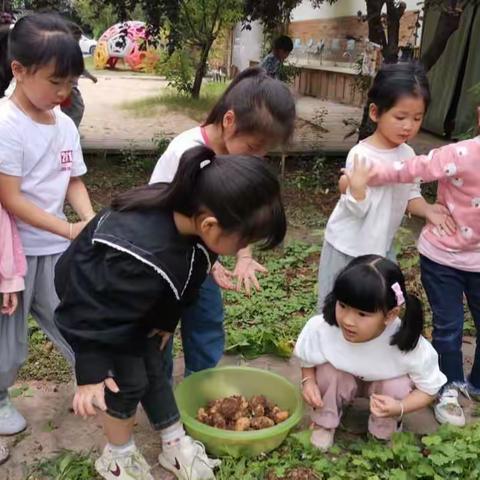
x,y
167,164
45,157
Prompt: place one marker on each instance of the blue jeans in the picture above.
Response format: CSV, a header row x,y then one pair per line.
x,y
446,287
202,331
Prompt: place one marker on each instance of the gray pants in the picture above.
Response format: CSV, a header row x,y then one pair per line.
x,y
39,299
332,261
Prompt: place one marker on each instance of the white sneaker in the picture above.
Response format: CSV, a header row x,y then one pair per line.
x,y
448,410
127,466
11,420
187,460
322,438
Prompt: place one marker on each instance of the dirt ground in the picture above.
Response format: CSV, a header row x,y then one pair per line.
x,y
53,426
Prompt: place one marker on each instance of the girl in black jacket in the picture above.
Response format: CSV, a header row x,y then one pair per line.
x,y
123,283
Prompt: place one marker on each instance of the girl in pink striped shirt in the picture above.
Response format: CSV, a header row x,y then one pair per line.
x,y
13,267
450,264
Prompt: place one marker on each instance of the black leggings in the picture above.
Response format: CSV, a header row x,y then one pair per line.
x,y
143,379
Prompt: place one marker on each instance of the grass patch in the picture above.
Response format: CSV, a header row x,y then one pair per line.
x,y
120,69
195,108
66,465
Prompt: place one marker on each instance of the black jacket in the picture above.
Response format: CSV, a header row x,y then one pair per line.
x,y
125,274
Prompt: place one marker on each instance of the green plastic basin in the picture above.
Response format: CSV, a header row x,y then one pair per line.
x,y
202,387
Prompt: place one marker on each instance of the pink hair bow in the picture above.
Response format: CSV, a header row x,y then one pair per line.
x,y
398,294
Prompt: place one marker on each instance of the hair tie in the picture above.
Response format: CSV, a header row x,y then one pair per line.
x,y
398,294
205,163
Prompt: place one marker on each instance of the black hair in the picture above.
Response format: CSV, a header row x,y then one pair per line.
x,y
396,80
5,70
262,105
366,284
283,43
242,192
37,40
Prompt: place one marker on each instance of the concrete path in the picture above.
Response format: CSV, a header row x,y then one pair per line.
x,y
52,425
107,126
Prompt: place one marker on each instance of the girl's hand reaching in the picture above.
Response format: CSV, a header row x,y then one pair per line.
x,y
384,406
311,393
358,177
9,303
439,216
245,271
87,396
222,276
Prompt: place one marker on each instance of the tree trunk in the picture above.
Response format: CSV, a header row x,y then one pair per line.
x,y
394,15
447,24
201,70
376,33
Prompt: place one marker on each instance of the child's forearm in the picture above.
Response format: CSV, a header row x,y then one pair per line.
x,y
16,203
78,198
418,207
416,400
308,373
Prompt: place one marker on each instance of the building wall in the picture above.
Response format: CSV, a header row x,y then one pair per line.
x,y
343,8
341,27
247,45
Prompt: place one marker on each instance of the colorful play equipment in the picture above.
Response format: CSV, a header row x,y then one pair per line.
x,y
125,41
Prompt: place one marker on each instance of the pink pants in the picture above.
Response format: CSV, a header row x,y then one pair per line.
x,y
339,388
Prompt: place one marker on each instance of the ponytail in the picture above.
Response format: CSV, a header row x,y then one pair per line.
x,y
6,74
242,192
407,336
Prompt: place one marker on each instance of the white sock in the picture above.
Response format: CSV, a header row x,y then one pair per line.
x,y
122,449
172,434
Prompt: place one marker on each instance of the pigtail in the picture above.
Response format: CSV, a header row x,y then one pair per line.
x,y
178,195
407,336
6,74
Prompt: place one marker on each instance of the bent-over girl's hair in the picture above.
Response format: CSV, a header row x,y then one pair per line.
x,y
396,80
38,40
262,106
366,284
242,192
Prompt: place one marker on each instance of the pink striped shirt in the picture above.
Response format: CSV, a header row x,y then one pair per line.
x,y
456,167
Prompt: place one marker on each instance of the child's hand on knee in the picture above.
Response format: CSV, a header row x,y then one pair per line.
x,y
384,406
88,396
311,394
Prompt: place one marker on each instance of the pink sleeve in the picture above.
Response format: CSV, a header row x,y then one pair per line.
x,y
13,265
438,164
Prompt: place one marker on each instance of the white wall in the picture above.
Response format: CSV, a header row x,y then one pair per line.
x,y
342,8
247,45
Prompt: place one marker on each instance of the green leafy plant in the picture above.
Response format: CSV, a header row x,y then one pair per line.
x,y
179,71
66,465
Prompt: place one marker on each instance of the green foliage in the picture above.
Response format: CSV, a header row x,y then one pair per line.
x,y
179,71
96,17
288,73
270,320
451,453
67,465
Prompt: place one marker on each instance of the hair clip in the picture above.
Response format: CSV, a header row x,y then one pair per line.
x,y
398,294
205,163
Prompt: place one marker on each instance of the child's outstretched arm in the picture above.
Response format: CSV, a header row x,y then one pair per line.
x,y
439,164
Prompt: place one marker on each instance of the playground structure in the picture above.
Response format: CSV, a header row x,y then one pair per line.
x,y
126,41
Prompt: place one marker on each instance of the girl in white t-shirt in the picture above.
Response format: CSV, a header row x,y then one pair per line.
x,y
365,220
361,347
40,167
255,114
